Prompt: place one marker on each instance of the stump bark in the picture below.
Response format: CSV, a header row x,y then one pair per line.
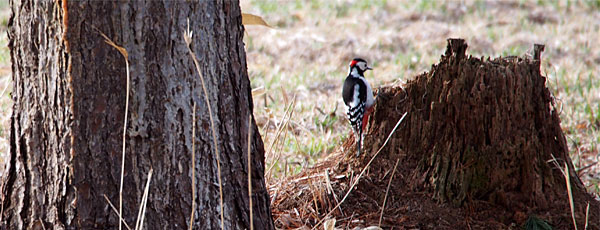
x,y
476,150
480,130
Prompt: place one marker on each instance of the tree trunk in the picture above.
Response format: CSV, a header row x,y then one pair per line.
x,y
69,111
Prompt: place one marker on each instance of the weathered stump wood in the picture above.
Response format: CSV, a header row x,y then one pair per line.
x,y
479,130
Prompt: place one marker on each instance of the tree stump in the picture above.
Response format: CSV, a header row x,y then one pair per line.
x,y
477,149
480,130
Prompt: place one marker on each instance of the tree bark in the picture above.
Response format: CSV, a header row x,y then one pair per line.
x,y
67,122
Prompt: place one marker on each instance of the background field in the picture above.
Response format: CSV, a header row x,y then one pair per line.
x,y
302,61
5,85
305,56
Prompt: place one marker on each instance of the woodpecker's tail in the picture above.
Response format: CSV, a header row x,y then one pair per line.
x,y
358,136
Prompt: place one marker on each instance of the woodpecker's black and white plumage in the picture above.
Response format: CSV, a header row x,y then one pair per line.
x,y
358,97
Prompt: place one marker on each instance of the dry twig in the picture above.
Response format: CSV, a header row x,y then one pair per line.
x,y
387,191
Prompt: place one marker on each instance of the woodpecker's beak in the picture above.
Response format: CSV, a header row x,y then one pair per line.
x,y
368,68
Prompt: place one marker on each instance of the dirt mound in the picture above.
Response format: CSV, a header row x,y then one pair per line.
x,y
480,147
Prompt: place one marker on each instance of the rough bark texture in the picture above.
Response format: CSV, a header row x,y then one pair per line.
x,y
66,128
480,130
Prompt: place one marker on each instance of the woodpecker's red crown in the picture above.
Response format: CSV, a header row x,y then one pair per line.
x,y
360,63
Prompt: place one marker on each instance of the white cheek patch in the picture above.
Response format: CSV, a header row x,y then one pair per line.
x,y
362,65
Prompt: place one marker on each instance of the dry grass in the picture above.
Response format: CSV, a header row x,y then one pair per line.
x,y
5,85
387,192
193,166
115,210
139,223
187,36
570,193
308,51
362,172
125,56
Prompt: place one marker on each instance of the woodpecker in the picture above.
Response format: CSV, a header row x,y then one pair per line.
x,y
358,97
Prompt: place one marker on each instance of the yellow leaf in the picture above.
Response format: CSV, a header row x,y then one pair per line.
x,y
251,19
258,91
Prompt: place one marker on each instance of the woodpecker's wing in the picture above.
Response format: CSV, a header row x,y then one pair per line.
x,y
354,91
355,97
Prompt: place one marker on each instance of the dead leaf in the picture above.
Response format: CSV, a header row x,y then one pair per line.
x,y
258,91
251,19
329,224
581,126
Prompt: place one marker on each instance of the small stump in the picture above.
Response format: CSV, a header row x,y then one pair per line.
x,y
481,147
